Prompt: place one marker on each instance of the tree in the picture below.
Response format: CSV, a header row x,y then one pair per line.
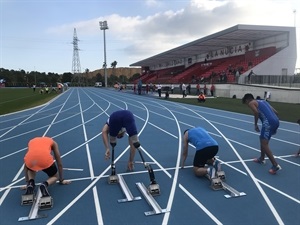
x,y
113,66
67,77
86,76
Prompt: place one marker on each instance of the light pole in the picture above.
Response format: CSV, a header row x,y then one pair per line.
x,y
103,26
294,17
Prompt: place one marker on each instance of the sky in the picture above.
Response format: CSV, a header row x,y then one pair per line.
x,y
37,35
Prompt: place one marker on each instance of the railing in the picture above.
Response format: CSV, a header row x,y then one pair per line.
x,y
276,80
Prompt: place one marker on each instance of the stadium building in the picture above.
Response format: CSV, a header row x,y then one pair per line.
x,y
267,50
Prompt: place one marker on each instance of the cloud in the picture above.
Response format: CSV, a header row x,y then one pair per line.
x,y
152,3
144,36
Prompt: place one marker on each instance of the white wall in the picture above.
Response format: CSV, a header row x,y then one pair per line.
x,y
288,95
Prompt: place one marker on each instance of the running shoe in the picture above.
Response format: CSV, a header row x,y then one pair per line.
x,y
217,165
211,172
44,190
29,189
274,169
259,160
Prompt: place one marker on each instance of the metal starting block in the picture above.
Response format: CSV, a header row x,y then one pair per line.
x,y
221,175
216,184
151,201
232,192
154,189
33,214
27,199
46,203
113,179
126,191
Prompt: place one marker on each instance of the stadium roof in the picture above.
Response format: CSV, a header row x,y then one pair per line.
x,y
234,36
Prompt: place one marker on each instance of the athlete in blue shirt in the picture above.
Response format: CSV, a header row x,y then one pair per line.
x,y
206,149
116,126
270,122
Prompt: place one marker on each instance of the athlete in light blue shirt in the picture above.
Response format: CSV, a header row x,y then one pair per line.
x,y
206,149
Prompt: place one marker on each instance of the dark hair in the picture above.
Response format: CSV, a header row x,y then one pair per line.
x,y
247,96
185,131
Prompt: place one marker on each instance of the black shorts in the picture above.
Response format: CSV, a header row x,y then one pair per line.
x,y
50,171
201,156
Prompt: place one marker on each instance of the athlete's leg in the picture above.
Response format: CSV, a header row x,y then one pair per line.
x,y
200,171
265,150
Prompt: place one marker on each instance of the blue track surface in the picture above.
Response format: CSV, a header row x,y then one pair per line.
x,y
75,119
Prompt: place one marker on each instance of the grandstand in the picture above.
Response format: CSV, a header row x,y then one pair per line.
x,y
267,50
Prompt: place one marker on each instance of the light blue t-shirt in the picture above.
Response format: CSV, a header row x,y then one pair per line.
x,y
200,138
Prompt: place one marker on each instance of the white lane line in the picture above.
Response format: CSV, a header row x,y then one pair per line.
x,y
264,195
175,178
98,207
72,169
95,181
200,205
49,126
91,169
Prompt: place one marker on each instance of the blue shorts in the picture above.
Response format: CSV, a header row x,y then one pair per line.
x,y
119,119
268,129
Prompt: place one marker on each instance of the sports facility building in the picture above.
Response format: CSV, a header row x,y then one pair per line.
x,y
267,50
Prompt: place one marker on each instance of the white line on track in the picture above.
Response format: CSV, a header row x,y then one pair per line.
x,y
72,169
200,205
21,169
95,180
175,178
269,203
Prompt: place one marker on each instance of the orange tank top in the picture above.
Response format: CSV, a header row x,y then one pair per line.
x,y
38,156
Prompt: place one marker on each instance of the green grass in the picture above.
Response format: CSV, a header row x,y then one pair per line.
x,y
287,112
16,99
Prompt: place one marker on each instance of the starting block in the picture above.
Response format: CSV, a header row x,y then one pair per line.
x,y
27,199
153,189
46,203
232,192
113,179
126,191
221,175
151,201
33,214
218,183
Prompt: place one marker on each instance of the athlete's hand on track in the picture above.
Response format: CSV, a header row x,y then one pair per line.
x,y
130,166
65,182
107,154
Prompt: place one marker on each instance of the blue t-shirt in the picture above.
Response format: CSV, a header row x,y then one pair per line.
x,y
266,113
269,120
200,138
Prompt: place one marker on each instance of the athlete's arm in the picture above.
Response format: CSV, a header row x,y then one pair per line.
x,y
254,107
59,163
105,131
185,148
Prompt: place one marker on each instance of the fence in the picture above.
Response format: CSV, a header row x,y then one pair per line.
x,y
275,80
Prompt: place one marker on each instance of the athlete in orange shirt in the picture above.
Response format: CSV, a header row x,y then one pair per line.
x,y
39,157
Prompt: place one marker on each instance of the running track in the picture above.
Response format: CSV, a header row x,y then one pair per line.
x,y
75,119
